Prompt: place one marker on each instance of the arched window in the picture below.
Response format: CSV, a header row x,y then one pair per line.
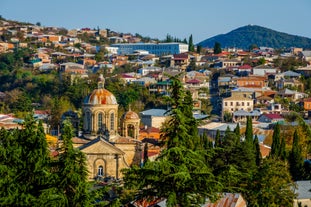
x,y
100,171
88,121
112,121
100,121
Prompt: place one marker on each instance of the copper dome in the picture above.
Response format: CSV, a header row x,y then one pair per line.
x,y
101,96
130,115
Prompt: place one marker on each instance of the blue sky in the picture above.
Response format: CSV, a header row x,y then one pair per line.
x,y
201,18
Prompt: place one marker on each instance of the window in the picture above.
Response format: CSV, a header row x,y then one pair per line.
x,y
112,121
242,103
100,120
226,103
231,103
88,121
247,103
100,171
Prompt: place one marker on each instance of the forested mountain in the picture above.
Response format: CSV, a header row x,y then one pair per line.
x,y
246,36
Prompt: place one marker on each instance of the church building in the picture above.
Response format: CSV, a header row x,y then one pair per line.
x,y
109,152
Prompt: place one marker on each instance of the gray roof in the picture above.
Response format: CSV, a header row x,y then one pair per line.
x,y
241,113
154,112
224,127
291,73
306,53
246,113
224,79
303,189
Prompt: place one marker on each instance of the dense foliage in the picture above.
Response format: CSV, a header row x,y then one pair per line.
x,y
29,176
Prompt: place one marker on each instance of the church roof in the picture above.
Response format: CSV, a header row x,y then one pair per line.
x,y
130,115
100,95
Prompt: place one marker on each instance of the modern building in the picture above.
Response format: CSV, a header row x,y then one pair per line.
x,y
153,48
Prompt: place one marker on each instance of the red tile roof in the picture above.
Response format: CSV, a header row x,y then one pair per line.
x,y
273,116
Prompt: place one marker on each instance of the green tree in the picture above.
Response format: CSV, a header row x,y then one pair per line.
x,y
237,132
199,49
296,159
271,185
249,131
72,172
258,156
24,171
276,145
217,139
180,173
190,44
217,48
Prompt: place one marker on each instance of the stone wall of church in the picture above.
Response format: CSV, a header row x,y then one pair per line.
x,y
133,152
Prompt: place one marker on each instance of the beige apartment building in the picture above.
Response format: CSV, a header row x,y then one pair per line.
x,y
239,100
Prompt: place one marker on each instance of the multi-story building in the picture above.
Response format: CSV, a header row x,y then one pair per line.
x,y
239,100
153,48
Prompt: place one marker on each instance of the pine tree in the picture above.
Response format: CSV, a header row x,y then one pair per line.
x,y
296,159
72,171
275,147
191,45
180,173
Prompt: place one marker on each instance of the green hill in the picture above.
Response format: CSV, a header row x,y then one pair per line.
x,y
246,36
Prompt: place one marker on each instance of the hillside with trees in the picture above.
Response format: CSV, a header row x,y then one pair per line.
x,y
246,36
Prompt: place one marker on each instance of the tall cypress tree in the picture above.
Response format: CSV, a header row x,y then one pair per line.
x,y
249,131
191,45
283,149
296,159
275,147
217,139
238,132
257,151
180,173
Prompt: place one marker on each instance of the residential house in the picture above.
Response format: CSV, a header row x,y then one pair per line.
x,y
149,133
287,75
181,60
263,70
252,81
72,68
305,71
305,55
291,94
245,69
210,129
146,70
307,104
145,81
271,118
227,81
154,117
125,78
303,193
239,100
241,115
